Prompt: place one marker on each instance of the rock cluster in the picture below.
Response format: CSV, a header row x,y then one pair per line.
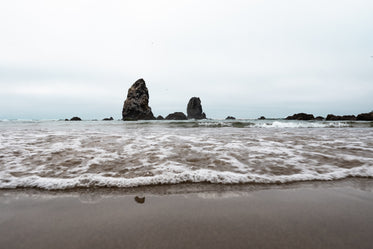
x,y
230,117
136,106
365,116
332,117
194,109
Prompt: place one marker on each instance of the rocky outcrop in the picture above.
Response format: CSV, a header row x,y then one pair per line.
x,y
176,116
319,118
75,119
230,117
194,109
160,117
301,116
349,117
136,106
365,116
332,117
262,118
108,119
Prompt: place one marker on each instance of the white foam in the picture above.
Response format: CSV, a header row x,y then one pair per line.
x,y
87,154
198,176
301,124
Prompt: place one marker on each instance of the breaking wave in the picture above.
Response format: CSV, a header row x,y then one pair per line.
x,y
65,155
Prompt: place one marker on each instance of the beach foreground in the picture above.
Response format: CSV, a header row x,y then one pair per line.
x,y
301,215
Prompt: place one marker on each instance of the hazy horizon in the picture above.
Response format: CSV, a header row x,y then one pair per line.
x,y
242,58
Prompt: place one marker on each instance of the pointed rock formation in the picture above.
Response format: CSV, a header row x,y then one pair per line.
x,y
136,105
194,109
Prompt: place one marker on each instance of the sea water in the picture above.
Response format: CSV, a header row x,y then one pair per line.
x,y
89,154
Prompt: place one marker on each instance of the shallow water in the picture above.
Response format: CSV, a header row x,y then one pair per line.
x,y
63,155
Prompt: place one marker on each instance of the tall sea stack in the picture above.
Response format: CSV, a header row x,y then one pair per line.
x,y
194,109
136,105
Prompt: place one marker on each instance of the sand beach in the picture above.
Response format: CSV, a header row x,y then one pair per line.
x,y
300,215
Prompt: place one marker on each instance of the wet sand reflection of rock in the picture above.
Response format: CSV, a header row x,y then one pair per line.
x,y
140,200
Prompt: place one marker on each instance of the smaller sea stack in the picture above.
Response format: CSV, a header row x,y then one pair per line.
x,y
194,109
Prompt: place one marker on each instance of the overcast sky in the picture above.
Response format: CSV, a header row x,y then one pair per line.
x,y
249,58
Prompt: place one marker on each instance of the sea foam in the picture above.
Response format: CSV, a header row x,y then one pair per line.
x,y
64,155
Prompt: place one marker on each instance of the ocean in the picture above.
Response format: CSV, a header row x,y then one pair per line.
x,y
59,155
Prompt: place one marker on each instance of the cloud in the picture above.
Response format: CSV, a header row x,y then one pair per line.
x,y
249,58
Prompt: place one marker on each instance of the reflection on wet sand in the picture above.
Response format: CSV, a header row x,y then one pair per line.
x,y
334,214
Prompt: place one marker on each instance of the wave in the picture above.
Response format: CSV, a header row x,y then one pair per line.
x,y
276,124
211,123
197,176
65,155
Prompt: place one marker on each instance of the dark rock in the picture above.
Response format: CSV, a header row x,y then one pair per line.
x,y
176,116
140,200
262,117
349,117
332,117
160,117
66,119
194,109
301,116
230,117
365,116
136,106
75,119
319,118
108,119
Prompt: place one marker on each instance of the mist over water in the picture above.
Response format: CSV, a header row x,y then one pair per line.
x,y
63,155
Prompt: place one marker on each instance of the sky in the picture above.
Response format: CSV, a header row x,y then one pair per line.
x,y
246,59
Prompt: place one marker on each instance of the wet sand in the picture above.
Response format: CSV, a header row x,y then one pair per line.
x,y
306,215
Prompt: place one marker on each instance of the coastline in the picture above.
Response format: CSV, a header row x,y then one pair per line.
x,y
335,214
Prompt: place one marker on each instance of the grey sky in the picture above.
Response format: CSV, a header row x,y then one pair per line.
x,y
242,58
